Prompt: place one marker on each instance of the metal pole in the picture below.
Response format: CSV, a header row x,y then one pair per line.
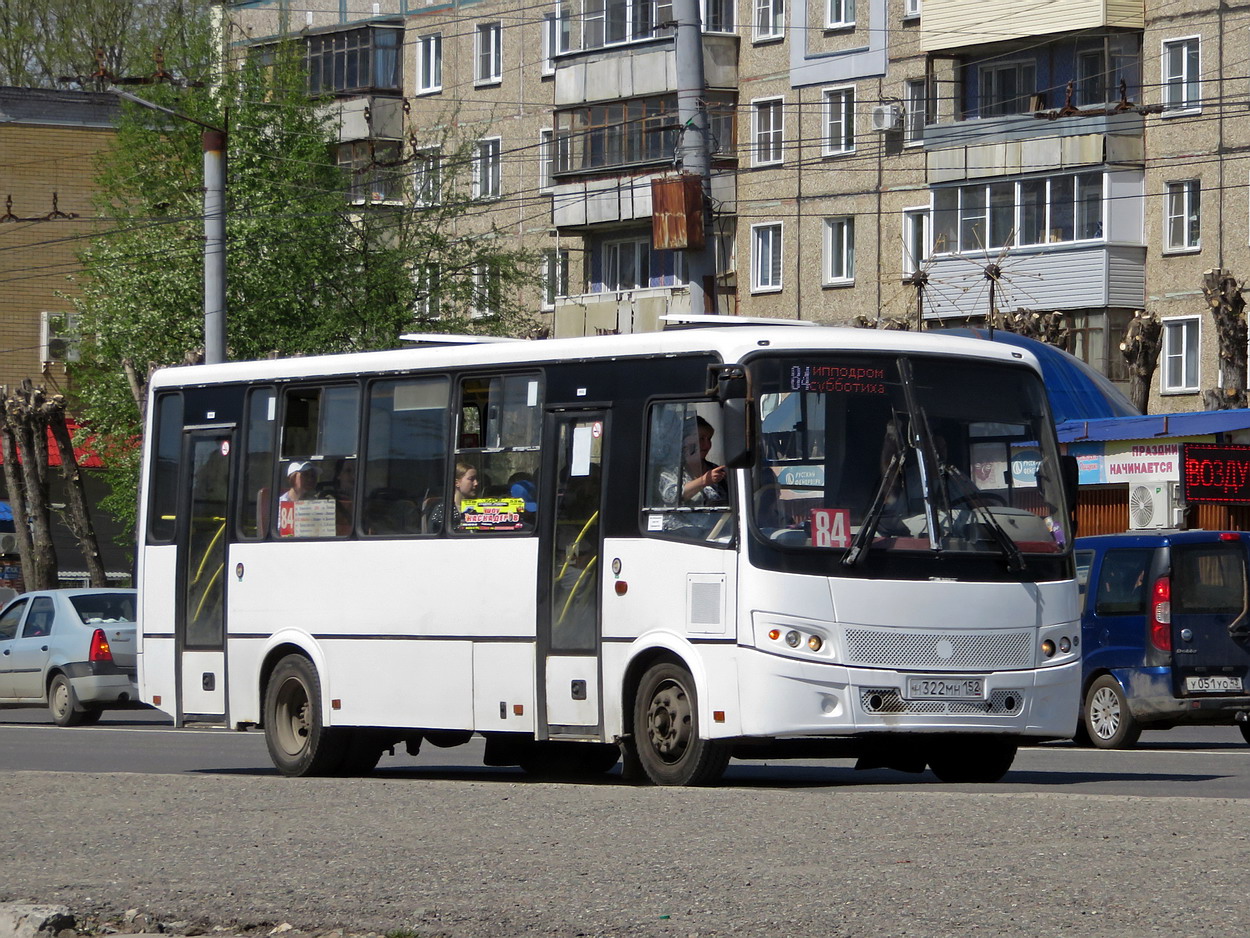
x,y
694,148
214,246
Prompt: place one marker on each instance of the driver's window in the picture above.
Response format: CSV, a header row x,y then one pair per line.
x,y
687,485
9,620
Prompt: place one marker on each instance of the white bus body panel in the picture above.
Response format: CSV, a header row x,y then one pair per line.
x,y
156,635
562,708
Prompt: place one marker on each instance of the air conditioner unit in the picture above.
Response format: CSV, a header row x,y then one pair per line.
x,y
8,543
1151,506
887,117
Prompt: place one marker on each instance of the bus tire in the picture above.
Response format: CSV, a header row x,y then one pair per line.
x,y
666,730
299,744
972,761
1107,718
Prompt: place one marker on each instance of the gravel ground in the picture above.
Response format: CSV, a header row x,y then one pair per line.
x,y
418,859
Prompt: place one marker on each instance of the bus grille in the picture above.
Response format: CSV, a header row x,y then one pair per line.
x,y
944,651
887,700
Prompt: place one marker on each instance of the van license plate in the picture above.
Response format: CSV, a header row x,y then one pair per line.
x,y
946,688
1212,684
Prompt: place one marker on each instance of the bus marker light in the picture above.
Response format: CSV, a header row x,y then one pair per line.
x,y
336,704
518,710
814,643
1065,644
774,634
792,638
156,700
621,587
718,716
1048,648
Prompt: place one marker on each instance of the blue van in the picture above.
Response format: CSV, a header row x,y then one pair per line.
x,y
1165,633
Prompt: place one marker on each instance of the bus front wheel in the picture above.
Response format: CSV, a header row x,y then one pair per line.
x,y
666,730
969,760
299,744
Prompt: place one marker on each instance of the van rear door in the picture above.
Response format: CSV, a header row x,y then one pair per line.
x,y
1210,617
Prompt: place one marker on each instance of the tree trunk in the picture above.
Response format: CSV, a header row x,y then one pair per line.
x,y
26,423
1228,309
77,516
17,501
1143,340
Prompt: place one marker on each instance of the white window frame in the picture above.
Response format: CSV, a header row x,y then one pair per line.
x,y
1182,205
428,280
839,101
917,224
838,266
488,48
1187,357
487,284
1182,92
767,236
610,259
911,9
557,30
429,63
915,111
488,168
839,14
427,177
769,22
546,159
1022,68
730,13
772,152
555,276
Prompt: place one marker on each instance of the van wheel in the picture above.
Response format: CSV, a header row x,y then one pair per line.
x,y
1245,731
299,744
666,730
1107,718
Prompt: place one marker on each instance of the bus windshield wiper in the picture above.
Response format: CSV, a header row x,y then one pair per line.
x,y
921,440
873,516
972,495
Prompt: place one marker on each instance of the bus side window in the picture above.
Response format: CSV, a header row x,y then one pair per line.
x,y
256,498
320,432
687,486
163,504
405,455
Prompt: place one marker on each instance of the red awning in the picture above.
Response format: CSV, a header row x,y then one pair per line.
x,y
87,456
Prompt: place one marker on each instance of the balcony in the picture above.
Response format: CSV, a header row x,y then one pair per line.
x,y
369,117
961,24
620,199
639,69
613,313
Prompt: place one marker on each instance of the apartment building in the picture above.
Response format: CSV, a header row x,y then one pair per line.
x,y
870,158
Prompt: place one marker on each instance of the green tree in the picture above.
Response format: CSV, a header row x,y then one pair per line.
x,y
308,271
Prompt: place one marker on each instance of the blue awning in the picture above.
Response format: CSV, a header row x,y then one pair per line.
x,y
1076,391
6,511
1152,426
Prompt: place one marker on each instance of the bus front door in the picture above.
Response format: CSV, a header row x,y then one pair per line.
x,y
200,628
568,641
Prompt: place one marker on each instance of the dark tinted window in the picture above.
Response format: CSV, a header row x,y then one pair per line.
x,y
9,620
1209,578
103,608
1122,582
164,470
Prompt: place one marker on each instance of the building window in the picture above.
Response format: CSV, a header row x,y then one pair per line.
x,y
1006,88
546,160
839,13
358,60
59,337
486,169
770,18
373,170
1028,212
1180,354
430,63
839,121
1091,77
769,125
633,131
555,276
1181,80
427,177
611,22
839,250
631,265
556,26
917,110
766,258
1184,216
911,8
915,239
426,278
487,289
489,53
718,16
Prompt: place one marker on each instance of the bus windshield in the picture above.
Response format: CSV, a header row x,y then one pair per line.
x,y
862,453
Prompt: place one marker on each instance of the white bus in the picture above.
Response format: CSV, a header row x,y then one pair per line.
x,y
747,540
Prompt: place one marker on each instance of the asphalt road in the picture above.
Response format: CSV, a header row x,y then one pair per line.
x,y
194,825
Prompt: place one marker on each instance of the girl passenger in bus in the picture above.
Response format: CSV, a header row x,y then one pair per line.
x,y
465,486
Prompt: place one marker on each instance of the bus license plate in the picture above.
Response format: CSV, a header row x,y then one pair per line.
x,y
946,688
1212,683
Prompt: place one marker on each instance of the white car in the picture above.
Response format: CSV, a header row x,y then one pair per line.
x,y
70,650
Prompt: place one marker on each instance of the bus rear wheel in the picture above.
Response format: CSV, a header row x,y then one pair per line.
x,y
299,744
666,730
971,760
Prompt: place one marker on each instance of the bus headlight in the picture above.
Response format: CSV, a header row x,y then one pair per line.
x,y
815,643
792,638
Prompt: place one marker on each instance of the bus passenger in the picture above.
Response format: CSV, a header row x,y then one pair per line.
x,y
466,485
302,478
702,482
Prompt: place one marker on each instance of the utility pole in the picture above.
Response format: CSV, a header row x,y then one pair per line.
x,y
694,149
214,142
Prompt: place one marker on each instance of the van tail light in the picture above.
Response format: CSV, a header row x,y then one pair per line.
x,y
1161,614
100,650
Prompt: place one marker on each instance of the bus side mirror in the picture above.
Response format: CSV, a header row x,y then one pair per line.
x,y
1070,473
728,384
